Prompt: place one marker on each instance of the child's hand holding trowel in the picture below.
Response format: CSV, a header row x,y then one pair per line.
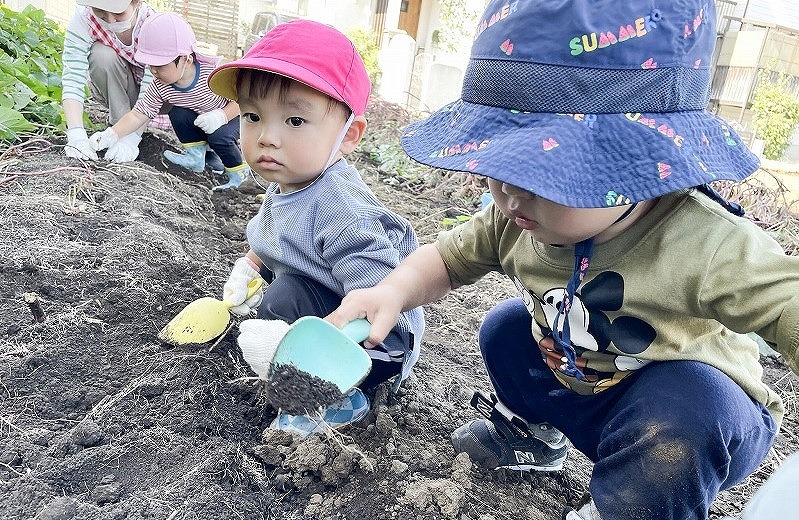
x,y
235,290
311,345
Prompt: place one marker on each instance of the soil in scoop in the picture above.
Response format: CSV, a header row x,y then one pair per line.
x,y
294,391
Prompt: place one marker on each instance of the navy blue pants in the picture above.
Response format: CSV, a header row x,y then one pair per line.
x,y
290,297
224,141
664,441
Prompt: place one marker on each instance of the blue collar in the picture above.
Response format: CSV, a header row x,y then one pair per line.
x,y
193,82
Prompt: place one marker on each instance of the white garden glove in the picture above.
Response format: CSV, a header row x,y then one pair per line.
x,y
124,150
78,145
235,289
258,341
104,139
211,121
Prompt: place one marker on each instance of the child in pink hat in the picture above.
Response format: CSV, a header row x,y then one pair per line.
x,y
203,121
302,91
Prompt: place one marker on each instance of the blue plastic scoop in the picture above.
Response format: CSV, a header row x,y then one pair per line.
x,y
319,348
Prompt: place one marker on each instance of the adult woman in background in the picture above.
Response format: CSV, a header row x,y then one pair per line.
x,y
99,46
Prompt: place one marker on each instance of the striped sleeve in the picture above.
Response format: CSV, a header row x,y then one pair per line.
x,y
77,45
150,100
207,99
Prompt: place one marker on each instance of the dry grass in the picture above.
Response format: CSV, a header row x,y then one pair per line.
x,y
768,207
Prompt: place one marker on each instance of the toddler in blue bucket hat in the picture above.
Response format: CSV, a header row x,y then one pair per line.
x,y
637,282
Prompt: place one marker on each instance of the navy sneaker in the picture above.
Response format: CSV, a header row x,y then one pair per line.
x,y
504,440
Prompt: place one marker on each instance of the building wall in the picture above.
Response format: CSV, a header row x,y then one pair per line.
x,y
342,14
770,40
779,12
345,15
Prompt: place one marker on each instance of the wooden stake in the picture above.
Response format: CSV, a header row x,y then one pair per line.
x,y
35,305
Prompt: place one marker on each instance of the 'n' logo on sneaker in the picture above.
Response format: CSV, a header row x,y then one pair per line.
x,y
524,457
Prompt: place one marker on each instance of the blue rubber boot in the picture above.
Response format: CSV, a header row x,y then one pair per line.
x,y
213,162
235,176
193,159
349,410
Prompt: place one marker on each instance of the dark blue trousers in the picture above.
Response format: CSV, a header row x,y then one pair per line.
x,y
224,141
290,297
664,441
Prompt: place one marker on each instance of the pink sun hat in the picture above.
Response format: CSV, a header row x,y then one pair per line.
x,y
163,37
312,53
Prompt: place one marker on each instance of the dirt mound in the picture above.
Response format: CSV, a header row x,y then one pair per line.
x,y
99,420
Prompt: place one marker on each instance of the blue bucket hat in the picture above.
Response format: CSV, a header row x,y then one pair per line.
x,y
588,104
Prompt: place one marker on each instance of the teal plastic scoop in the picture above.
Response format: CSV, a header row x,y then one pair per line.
x,y
319,348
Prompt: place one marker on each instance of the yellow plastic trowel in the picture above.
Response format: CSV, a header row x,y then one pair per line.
x,y
202,320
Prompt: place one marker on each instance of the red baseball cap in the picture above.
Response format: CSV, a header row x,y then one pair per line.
x,y
312,53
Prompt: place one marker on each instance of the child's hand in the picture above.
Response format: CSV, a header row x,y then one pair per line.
x,y
125,149
211,121
104,139
379,305
235,289
258,340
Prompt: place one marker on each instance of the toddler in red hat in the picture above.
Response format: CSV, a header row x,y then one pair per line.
x,y
320,233
205,123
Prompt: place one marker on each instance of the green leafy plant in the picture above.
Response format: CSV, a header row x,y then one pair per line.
x,y
381,145
30,72
776,112
366,45
457,25
451,222
381,148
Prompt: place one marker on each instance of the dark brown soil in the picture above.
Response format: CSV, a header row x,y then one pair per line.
x,y
100,420
293,391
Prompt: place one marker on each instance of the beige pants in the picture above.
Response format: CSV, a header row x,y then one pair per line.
x,y
111,81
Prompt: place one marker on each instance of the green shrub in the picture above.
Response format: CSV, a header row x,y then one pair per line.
x,y
30,72
458,21
776,113
366,45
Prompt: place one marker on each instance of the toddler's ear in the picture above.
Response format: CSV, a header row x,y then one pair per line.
x,y
354,135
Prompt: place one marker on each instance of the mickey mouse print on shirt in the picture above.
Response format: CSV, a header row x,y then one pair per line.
x,y
606,346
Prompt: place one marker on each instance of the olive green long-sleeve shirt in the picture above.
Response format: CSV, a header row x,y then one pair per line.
x,y
686,282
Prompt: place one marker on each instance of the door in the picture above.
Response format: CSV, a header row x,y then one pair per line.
x,y
409,16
